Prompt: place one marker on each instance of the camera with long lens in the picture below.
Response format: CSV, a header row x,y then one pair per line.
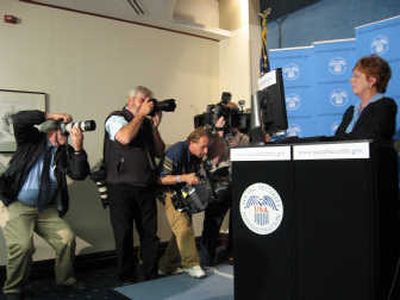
x,y
167,105
88,125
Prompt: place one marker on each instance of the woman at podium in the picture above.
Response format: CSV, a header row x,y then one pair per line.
x,y
375,116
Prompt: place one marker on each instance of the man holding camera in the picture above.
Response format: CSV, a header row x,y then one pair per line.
x,y
181,164
131,144
34,189
215,212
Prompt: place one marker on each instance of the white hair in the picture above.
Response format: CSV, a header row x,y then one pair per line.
x,y
140,89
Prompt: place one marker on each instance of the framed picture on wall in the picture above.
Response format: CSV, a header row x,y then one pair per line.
x,y
12,101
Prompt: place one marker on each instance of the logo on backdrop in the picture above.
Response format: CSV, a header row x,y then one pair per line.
x,y
261,208
337,66
293,130
293,102
380,44
291,71
339,97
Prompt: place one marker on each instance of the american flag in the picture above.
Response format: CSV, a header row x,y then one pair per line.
x,y
264,60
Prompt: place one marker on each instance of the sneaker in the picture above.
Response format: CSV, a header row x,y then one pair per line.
x,y
178,271
161,272
195,272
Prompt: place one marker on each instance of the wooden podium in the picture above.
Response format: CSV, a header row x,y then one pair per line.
x,y
314,221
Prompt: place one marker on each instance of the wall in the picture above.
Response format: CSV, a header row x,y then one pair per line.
x,y
87,65
234,63
234,53
327,20
204,13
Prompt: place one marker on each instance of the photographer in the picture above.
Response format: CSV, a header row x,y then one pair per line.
x,y
220,144
231,133
131,144
181,163
34,189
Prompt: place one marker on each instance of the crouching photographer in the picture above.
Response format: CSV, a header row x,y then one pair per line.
x,y
34,189
180,167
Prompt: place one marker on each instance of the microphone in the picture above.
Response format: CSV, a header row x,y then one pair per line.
x,y
256,132
255,112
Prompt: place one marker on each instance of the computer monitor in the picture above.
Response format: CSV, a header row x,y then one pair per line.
x,y
271,100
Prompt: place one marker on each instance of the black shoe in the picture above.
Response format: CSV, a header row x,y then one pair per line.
x,y
77,285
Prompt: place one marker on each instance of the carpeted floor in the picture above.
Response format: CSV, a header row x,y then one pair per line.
x,y
93,284
100,283
218,285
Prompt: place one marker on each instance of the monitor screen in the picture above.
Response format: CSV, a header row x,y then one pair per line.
x,y
271,99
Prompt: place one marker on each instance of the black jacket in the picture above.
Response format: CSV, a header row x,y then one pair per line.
x,y
377,121
30,144
132,164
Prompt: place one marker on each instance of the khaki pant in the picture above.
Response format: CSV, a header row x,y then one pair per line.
x,y
182,241
18,222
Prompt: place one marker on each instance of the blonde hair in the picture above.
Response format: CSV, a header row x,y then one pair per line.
x,y
196,134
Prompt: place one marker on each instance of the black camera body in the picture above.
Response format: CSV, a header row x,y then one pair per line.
x,y
214,186
167,105
192,198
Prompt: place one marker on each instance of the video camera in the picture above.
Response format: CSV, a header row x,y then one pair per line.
x,y
235,117
192,198
164,105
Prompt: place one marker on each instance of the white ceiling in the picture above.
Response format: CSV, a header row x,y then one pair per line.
x,y
153,9
155,12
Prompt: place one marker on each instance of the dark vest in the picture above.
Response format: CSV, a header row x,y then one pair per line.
x,y
131,164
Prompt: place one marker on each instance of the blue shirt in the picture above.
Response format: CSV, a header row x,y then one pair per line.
x,y
114,124
357,112
178,160
30,190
